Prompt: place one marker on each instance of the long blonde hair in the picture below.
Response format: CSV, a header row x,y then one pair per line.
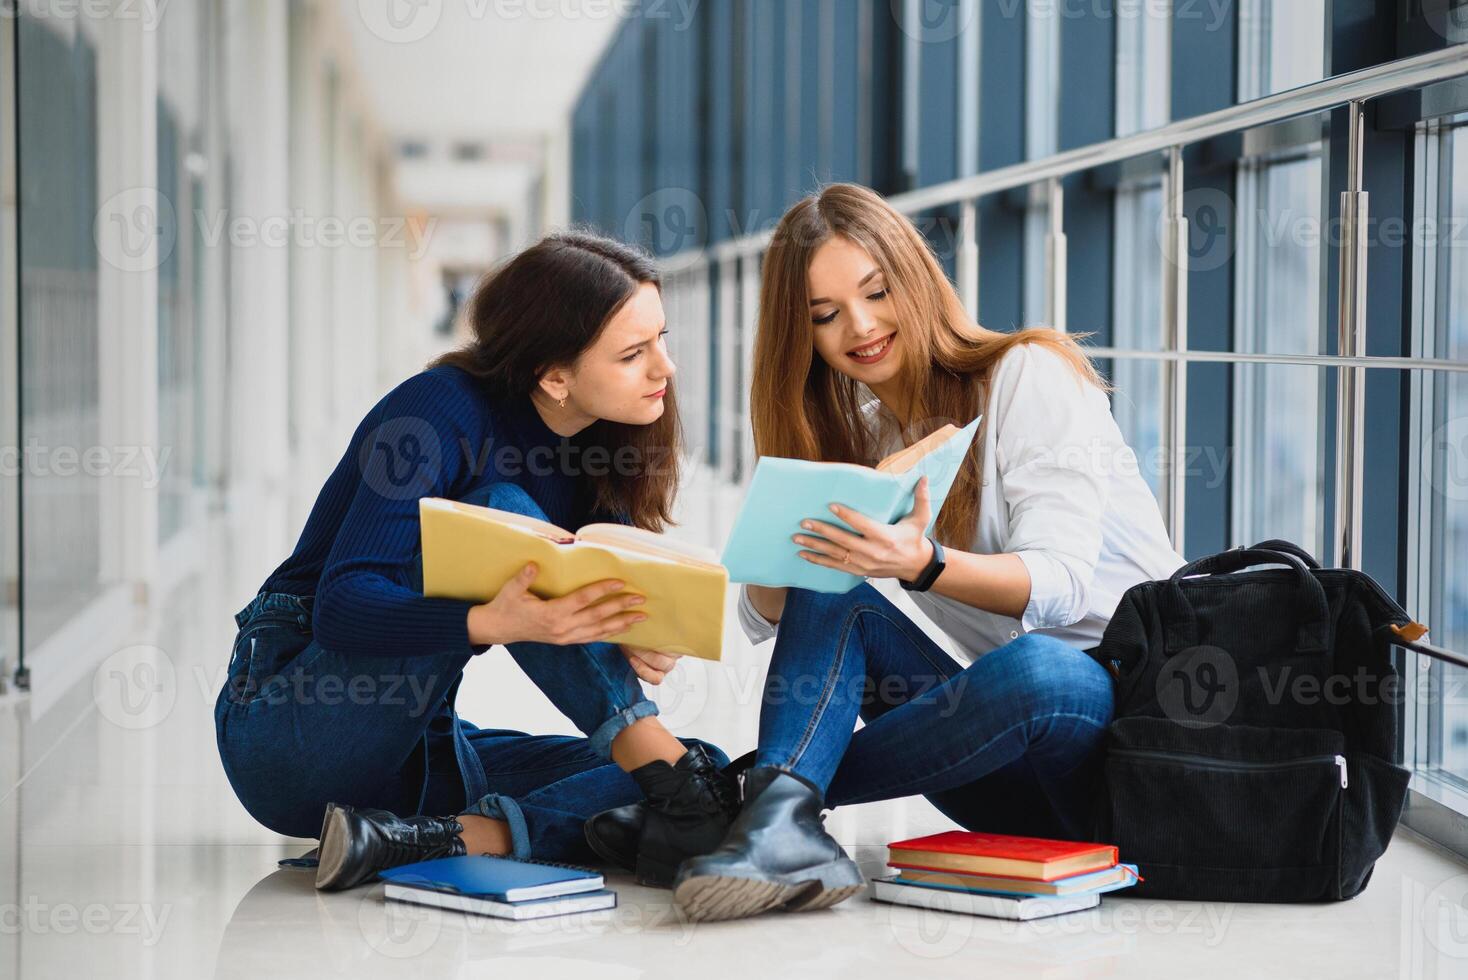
x,y
801,408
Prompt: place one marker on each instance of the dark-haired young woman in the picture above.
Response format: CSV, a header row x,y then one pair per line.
x,y
338,712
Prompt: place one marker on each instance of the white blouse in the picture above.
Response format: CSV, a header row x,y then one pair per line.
x,y
1062,490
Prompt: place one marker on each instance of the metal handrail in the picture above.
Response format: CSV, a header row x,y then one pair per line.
x,y
1329,93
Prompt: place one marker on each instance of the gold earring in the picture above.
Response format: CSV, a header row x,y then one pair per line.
x,y
563,402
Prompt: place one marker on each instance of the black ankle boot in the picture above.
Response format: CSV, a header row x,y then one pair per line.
x,y
688,809
777,855
356,844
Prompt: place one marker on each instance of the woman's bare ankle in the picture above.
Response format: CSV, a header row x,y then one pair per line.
x,y
485,835
644,741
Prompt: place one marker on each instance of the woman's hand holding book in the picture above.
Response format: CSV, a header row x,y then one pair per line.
x,y
587,615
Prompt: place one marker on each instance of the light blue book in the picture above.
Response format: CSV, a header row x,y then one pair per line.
x,y
785,492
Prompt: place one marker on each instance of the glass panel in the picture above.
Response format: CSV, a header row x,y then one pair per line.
x,y
1042,78
10,653
1281,46
61,553
1279,476
1143,65
1136,404
1447,530
179,49
1281,251
1137,320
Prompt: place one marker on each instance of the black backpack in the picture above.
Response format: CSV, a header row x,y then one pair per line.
x,y
1253,752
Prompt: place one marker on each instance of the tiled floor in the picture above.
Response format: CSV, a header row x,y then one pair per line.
x,y
131,858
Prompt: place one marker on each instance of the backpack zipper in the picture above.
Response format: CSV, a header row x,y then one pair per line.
x,y
1204,762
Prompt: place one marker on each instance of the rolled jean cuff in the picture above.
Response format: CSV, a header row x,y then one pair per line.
x,y
497,806
601,739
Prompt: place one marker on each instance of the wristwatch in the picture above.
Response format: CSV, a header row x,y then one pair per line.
x,y
930,574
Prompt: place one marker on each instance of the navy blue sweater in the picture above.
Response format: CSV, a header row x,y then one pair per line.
x,y
438,434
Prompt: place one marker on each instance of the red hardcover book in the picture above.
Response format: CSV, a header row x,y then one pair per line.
x,y
1030,858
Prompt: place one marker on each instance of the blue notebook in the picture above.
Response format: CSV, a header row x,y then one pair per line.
x,y
785,492
497,878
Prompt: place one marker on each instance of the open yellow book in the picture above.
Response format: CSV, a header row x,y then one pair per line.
x,y
470,552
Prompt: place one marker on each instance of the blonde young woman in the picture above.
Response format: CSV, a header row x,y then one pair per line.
x,y
863,347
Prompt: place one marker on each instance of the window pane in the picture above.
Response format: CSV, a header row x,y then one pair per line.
x,y
1279,479
1143,65
9,421
61,553
1042,79
180,423
1137,403
1446,527
1281,46
1281,255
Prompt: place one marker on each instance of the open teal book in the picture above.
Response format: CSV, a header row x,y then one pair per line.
x,y
785,492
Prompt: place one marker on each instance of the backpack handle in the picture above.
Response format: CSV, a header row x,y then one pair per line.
x,y
1181,624
1276,544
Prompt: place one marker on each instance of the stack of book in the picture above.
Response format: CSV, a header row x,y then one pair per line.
x,y
1001,876
499,887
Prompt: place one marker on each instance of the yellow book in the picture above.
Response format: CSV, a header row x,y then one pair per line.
x,y
470,552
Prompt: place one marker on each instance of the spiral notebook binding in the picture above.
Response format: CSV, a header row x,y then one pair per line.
x,y
557,864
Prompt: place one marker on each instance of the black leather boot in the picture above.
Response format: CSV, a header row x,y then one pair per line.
x,y
777,855
688,810
356,844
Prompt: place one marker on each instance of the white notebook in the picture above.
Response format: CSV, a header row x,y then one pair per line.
x,y
979,903
537,909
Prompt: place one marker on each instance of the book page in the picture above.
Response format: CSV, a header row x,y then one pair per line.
x,y
648,544
905,459
539,528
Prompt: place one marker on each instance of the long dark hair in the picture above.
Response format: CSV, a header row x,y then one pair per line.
x,y
544,308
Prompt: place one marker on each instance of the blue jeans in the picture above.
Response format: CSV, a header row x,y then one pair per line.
x,y
299,726
1009,744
